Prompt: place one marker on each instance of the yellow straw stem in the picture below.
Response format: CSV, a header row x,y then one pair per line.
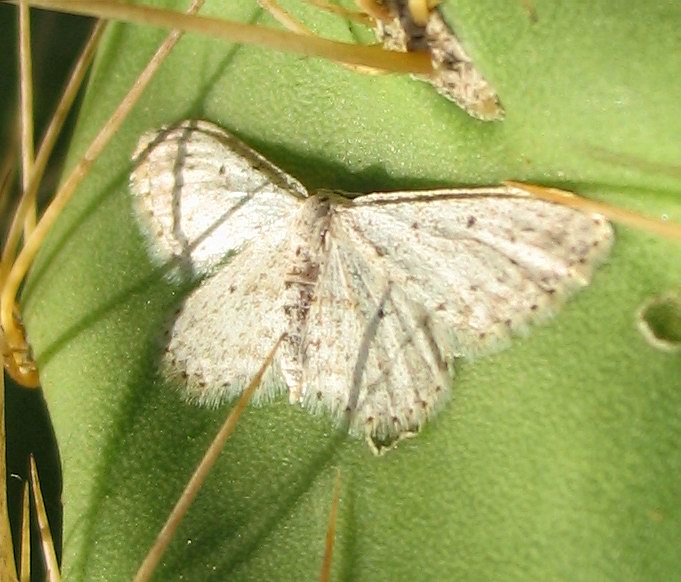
x,y
26,86
25,567
49,139
13,335
192,488
46,541
7,565
325,573
627,217
238,32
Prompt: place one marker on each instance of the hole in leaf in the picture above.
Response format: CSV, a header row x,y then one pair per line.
x,y
659,320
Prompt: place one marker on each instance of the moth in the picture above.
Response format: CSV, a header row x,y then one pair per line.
x,y
454,76
376,295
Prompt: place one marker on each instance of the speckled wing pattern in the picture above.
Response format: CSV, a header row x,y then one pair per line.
x,y
376,295
209,203
412,279
454,76
201,193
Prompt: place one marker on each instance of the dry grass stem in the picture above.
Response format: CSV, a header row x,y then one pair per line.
x,y
626,217
46,541
325,573
284,18
194,484
25,567
8,567
13,333
8,170
237,32
359,17
49,140
26,100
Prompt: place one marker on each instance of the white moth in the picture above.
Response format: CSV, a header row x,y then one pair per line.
x,y
376,295
455,76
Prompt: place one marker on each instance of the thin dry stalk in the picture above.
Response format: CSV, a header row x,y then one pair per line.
x,y
294,25
360,17
25,567
284,18
626,217
8,170
325,573
46,541
49,140
13,334
19,363
237,32
374,9
194,484
26,100
8,567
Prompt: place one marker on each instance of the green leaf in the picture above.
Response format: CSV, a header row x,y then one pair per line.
x,y
557,458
